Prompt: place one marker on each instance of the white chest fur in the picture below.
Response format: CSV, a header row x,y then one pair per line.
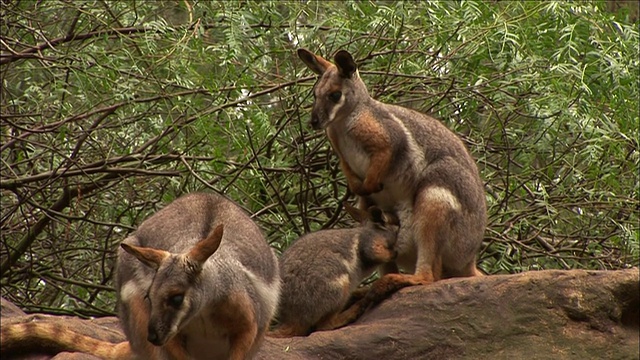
x,y
355,156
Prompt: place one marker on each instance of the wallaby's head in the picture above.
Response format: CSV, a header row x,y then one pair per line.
x,y
171,296
384,225
338,90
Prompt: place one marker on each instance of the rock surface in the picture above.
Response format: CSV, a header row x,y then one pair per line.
x,y
549,314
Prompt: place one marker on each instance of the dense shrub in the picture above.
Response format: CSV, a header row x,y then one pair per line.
x,y
112,109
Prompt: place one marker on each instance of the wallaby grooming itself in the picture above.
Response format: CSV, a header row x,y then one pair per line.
x,y
197,280
320,271
407,163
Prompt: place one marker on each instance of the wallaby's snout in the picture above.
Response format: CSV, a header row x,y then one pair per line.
x,y
315,122
318,118
152,336
156,334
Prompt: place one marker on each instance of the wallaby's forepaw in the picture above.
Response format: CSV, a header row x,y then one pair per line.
x,y
354,184
375,187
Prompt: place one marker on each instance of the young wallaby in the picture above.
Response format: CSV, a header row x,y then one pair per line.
x,y
197,280
320,271
404,162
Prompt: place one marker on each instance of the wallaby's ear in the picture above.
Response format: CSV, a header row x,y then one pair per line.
x,y
357,214
148,256
376,215
201,251
316,63
346,65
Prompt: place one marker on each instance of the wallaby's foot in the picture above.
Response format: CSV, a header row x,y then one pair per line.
x,y
343,318
356,295
279,333
286,331
390,283
478,272
469,271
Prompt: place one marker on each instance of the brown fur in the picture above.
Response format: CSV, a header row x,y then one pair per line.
x,y
237,315
407,163
223,309
376,142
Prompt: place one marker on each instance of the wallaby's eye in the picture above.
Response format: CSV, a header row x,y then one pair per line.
x,y
175,301
335,96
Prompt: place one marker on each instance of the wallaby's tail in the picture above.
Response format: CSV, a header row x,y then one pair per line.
x,y
54,338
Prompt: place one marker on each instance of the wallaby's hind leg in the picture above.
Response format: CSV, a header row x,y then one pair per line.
x,y
434,210
240,318
289,330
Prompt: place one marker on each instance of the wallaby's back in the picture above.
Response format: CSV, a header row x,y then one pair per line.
x,y
192,217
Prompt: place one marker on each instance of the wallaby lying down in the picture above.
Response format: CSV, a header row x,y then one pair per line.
x,y
321,269
197,280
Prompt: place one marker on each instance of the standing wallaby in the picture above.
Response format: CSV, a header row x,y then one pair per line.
x,y
404,162
320,271
197,280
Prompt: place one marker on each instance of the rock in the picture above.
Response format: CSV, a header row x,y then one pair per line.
x,y
571,314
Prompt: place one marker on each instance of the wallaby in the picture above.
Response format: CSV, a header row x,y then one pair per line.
x,y
19,340
404,162
196,280
321,269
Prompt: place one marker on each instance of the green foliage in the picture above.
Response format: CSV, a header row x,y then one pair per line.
x,y
112,109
